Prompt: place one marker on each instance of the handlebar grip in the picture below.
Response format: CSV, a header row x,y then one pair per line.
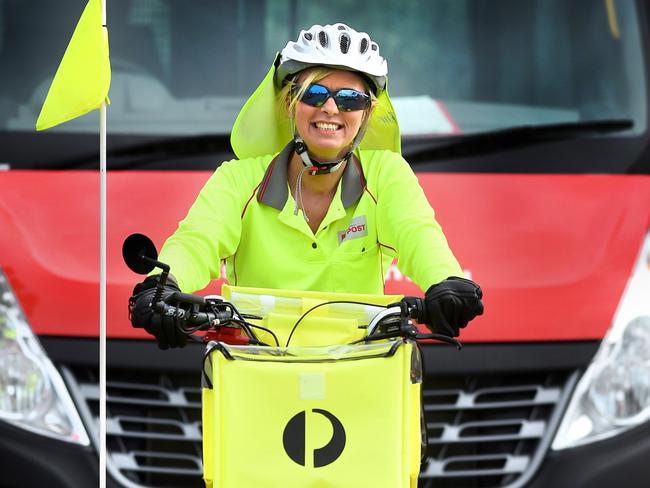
x,y
197,318
208,317
186,298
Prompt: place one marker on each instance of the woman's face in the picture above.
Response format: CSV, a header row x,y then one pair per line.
x,y
327,131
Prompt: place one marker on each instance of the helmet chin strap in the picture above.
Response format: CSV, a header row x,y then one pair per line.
x,y
313,166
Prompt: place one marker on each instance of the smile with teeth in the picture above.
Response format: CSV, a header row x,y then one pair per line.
x,y
328,126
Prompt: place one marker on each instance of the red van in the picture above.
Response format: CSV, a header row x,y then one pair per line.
x,y
527,124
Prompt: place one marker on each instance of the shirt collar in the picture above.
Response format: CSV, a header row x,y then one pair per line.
x,y
274,191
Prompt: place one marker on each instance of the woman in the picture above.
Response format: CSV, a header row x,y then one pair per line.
x,y
319,198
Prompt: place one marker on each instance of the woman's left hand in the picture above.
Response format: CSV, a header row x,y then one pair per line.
x,y
451,304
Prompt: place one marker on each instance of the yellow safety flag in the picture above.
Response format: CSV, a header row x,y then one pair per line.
x,y
81,83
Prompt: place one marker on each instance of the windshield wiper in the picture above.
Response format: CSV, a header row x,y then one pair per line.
x,y
155,151
509,138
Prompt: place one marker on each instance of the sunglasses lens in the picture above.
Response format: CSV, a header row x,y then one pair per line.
x,y
315,95
346,99
350,100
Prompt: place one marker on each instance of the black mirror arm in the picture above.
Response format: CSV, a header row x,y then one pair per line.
x,y
163,277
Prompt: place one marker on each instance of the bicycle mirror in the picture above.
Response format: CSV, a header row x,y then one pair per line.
x,y
139,253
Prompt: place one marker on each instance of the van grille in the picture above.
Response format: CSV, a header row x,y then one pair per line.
x,y
483,431
153,425
489,430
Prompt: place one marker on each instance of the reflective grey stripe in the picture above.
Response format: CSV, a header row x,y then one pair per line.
x,y
273,187
353,182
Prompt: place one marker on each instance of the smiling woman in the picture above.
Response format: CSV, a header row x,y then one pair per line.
x,y
318,147
320,199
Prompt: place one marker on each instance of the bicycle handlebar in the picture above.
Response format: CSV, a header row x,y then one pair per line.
x,y
209,314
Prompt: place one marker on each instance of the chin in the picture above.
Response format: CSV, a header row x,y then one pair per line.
x,y
325,153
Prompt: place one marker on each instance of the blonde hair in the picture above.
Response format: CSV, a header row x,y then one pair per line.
x,y
289,97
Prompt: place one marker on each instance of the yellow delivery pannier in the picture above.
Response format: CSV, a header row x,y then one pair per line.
x,y
339,416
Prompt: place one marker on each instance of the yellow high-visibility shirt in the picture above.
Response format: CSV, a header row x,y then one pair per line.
x,y
244,215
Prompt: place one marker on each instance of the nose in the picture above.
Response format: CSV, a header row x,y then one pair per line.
x,y
330,107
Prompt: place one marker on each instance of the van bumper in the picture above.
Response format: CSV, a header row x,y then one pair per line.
x,y
31,460
622,461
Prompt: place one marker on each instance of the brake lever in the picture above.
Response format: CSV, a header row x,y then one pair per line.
x,y
409,331
440,338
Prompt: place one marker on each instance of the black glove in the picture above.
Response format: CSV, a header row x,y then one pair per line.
x,y
451,304
166,329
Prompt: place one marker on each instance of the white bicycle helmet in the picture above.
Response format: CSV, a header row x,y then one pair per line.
x,y
337,46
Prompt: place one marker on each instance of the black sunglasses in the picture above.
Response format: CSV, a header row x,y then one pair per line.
x,y
347,99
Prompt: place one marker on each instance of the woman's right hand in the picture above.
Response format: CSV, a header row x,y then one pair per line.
x,y
166,329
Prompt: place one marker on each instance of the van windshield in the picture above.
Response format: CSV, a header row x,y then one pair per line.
x,y
456,67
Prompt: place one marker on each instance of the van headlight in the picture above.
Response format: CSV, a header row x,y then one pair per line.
x,y
33,395
614,393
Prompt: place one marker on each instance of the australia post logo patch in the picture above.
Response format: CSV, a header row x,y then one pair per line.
x,y
357,228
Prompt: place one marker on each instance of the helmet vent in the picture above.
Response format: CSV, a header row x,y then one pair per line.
x,y
341,27
374,46
364,45
322,38
344,42
308,36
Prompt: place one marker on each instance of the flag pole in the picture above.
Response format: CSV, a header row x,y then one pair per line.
x,y
102,296
102,281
